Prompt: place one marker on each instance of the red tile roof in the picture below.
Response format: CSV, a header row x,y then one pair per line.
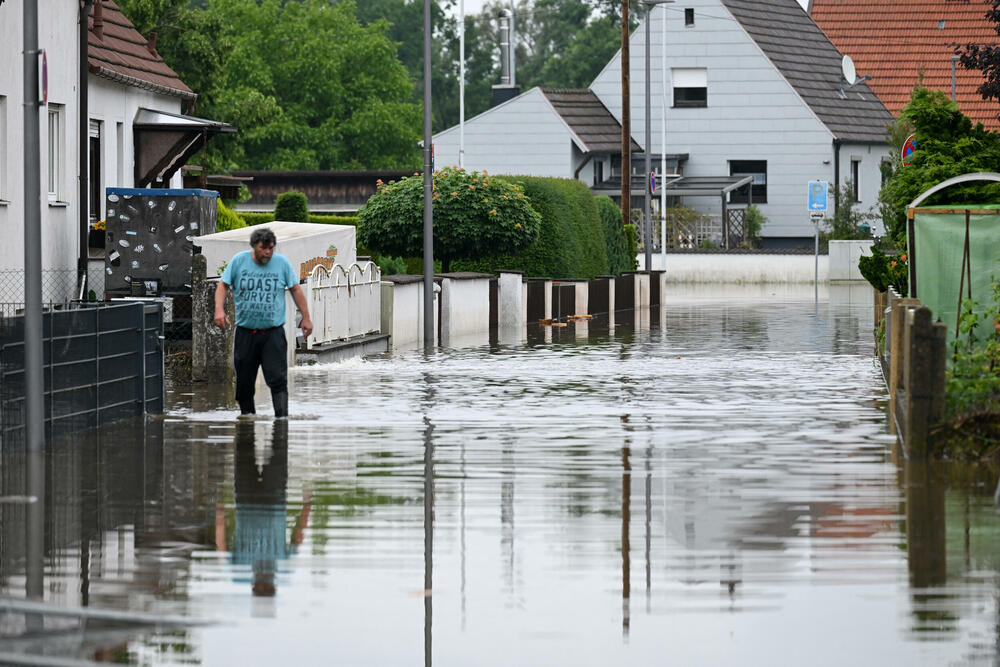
x,y
118,52
903,44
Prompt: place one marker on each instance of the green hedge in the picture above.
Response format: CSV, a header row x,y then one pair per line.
x,y
291,206
227,219
256,218
616,237
261,218
571,240
632,243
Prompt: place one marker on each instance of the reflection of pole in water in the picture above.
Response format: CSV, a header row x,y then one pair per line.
x,y
462,519
649,521
626,516
507,517
34,586
428,537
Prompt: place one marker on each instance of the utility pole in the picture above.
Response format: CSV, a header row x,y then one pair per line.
x,y
428,189
626,124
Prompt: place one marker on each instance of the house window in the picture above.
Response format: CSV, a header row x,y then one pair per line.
x,y
689,16
690,86
599,172
55,151
856,180
755,168
94,173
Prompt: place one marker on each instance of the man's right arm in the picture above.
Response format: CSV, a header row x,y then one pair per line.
x,y
221,320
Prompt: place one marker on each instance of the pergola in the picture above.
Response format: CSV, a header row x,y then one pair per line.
x,y
709,186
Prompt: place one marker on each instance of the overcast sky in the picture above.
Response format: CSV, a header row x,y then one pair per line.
x,y
473,6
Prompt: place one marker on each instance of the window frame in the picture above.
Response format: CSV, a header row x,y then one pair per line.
x,y
693,91
56,151
749,168
856,179
3,148
688,17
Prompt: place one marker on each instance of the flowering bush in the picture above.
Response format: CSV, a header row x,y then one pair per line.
x,y
475,215
100,224
883,270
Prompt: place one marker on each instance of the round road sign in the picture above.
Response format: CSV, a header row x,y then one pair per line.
x,y
909,146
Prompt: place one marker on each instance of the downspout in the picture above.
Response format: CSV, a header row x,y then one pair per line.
x,y
84,145
836,172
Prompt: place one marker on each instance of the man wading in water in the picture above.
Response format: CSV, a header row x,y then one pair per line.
x,y
258,278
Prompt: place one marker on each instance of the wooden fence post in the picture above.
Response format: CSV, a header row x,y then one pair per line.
x,y
923,380
895,346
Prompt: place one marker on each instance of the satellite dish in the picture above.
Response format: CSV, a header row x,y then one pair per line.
x,y
847,67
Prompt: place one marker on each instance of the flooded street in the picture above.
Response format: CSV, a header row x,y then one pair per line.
x,y
715,484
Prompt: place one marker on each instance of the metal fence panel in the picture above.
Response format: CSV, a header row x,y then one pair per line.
x,y
101,363
343,303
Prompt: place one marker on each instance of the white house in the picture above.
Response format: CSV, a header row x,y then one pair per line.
x,y
751,88
136,134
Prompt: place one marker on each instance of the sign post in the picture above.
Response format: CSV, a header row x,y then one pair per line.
x,y
818,194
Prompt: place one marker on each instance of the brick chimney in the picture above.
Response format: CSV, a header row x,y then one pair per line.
x,y
99,19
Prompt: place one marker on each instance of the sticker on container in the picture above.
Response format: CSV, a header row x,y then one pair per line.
x,y
163,267
111,212
112,198
178,230
124,218
139,248
135,264
127,196
157,248
172,205
127,279
123,243
188,238
108,269
113,256
152,230
132,232
133,208
151,203
194,225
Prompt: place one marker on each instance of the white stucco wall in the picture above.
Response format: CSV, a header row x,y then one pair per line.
x,y
753,113
522,136
742,269
109,102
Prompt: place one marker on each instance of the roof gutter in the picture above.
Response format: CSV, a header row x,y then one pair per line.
x,y
127,80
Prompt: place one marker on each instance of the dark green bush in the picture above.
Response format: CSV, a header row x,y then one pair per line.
x,y
615,237
257,218
291,206
632,241
570,242
333,219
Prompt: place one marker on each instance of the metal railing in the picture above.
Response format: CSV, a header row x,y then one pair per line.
x,y
343,303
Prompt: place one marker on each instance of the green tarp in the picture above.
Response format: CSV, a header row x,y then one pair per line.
x,y
937,248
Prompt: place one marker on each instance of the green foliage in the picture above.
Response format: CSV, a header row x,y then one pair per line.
x,y
682,226
291,206
707,244
306,84
390,266
755,223
882,270
615,238
256,218
333,219
475,215
880,337
973,381
632,241
227,219
948,145
847,224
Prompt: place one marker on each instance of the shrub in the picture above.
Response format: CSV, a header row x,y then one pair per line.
x,y
333,219
256,218
755,224
291,206
615,238
390,266
474,215
883,270
571,239
631,239
227,219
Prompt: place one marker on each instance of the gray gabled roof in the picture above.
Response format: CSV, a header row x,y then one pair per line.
x,y
588,118
812,65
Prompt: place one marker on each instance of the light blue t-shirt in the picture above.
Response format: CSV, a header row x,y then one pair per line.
x,y
259,291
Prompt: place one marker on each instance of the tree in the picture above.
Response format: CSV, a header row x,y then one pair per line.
x,y
948,145
475,216
305,84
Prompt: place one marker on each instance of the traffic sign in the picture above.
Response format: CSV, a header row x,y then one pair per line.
x,y
818,195
652,182
816,215
909,146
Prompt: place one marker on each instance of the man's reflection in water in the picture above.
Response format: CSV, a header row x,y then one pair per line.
x,y
259,538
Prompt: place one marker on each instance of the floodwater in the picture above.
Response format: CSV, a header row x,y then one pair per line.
x,y
714,484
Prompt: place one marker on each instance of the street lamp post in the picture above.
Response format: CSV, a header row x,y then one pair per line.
x,y
647,231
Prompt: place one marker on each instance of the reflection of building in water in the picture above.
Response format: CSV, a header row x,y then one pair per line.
x,y
122,515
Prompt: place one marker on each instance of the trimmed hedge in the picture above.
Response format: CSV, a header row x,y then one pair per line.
x,y
257,218
226,218
632,243
320,219
615,237
291,206
571,239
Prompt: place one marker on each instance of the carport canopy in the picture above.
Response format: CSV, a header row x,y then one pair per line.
x,y
703,186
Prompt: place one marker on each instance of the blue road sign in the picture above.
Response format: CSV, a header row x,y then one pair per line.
x,y
818,195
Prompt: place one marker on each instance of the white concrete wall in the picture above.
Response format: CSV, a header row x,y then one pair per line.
x,y
510,307
749,268
753,113
523,136
844,257
465,308
403,313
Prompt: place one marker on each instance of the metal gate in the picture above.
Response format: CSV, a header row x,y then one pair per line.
x,y
101,363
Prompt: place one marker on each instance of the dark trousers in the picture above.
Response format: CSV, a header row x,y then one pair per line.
x,y
259,348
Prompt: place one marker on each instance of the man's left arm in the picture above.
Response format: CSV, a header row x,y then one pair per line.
x,y
299,297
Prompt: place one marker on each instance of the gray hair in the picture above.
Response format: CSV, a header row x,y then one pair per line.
x,y
262,235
